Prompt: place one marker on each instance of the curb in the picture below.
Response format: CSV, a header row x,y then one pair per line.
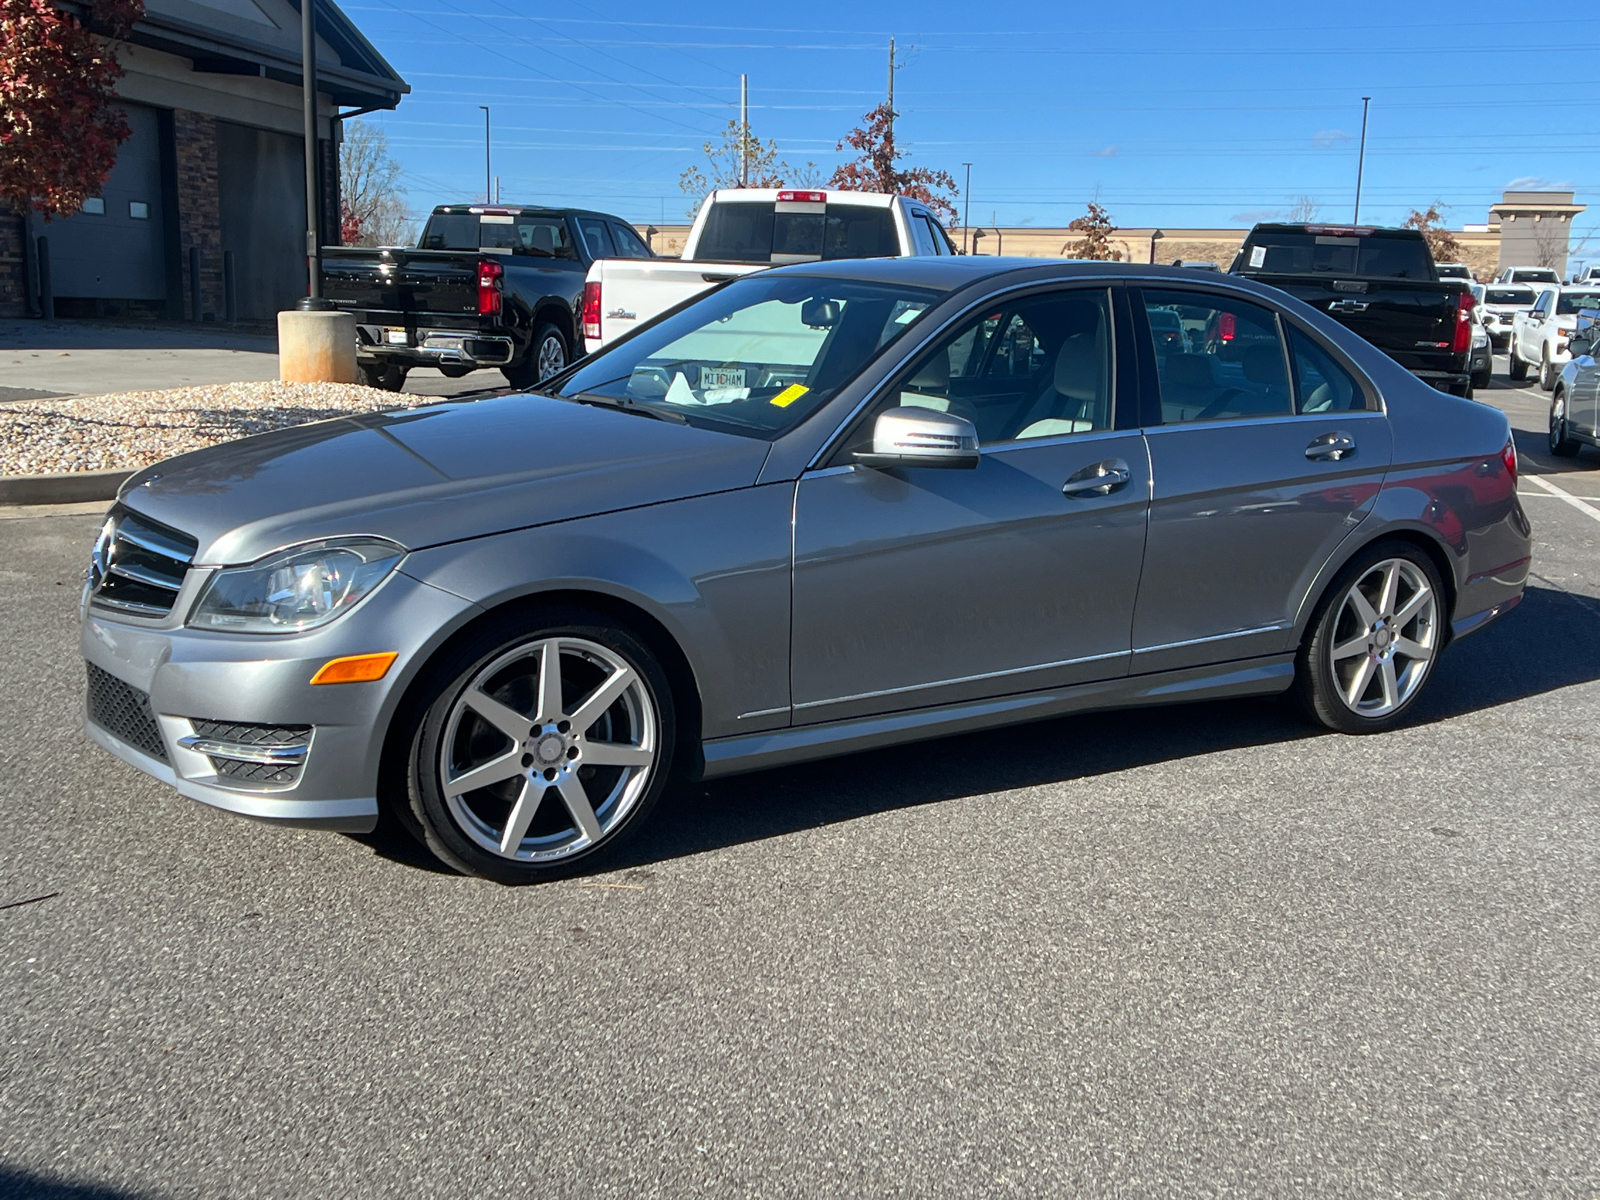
x,y
73,487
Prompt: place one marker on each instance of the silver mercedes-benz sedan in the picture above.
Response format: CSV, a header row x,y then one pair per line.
x,y
819,509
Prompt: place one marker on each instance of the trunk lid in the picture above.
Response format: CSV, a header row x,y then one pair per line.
x,y
401,281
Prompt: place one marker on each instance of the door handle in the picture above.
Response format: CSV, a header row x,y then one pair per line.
x,y
1331,447
1101,479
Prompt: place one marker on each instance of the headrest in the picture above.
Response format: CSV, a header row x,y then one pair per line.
x,y
1190,370
544,241
1078,372
935,373
1264,365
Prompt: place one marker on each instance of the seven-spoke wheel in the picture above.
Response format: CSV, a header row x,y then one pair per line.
x,y
541,751
1374,642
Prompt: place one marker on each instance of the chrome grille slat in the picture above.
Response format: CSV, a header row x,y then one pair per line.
x,y
141,575
138,567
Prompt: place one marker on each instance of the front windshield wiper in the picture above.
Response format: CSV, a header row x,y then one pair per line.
x,y
622,404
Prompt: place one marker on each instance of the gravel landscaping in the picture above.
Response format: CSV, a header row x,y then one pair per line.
x,y
134,429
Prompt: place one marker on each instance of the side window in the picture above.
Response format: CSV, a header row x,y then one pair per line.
x,y
1216,357
597,237
542,237
921,236
1037,368
936,236
628,243
1322,384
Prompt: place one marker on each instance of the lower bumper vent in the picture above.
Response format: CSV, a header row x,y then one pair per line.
x,y
247,753
123,711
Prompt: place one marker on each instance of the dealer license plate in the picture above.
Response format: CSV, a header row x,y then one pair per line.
x,y
395,337
721,377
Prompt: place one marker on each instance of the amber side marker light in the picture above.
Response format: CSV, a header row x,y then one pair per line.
x,y
358,668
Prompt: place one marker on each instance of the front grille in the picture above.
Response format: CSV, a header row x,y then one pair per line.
x,y
240,734
138,565
123,711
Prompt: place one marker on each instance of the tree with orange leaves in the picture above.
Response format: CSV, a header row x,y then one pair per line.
x,y
877,169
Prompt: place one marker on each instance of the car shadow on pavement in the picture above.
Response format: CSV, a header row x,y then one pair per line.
x,y
23,1185
1548,642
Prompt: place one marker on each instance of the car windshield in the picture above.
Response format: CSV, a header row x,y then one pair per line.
x,y
1379,256
746,231
1509,295
1537,275
1454,273
755,357
1570,303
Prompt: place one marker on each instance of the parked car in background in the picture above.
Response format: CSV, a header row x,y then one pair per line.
x,y
1590,274
1482,358
1575,401
1534,275
1455,271
1197,264
486,286
933,503
1497,307
1539,337
739,231
1381,283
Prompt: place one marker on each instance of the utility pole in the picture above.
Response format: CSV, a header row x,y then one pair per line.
x,y
1361,159
488,194
744,131
308,100
966,209
891,89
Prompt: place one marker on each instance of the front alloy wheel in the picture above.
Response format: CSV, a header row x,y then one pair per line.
x,y
1373,646
543,750
1562,443
1547,373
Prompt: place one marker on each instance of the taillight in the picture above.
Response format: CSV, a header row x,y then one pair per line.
x,y
1462,342
491,276
591,309
1226,323
1509,457
803,197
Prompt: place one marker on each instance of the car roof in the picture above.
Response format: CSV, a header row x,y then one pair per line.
x,y
518,210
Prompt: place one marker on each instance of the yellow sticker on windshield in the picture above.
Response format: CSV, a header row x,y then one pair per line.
x,y
789,395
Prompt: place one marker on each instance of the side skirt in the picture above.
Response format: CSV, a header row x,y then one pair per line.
x,y
759,751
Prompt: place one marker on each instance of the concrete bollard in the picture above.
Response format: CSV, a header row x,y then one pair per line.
x,y
316,347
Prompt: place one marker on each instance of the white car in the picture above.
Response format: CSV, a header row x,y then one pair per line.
x,y
1497,307
1534,275
742,230
1455,271
1539,337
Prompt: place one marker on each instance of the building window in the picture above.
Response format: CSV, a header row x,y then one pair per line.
x,y
95,206
138,210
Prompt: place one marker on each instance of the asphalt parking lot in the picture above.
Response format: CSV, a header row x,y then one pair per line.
x,y
1194,951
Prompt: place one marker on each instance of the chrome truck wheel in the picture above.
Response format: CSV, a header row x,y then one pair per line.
x,y
542,751
1373,645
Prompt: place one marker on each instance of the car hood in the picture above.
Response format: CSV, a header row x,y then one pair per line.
x,y
432,475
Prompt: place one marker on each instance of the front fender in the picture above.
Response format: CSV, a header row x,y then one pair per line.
x,y
712,570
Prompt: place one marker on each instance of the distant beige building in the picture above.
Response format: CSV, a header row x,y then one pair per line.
x,y
1535,229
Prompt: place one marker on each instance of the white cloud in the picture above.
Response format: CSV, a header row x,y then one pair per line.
x,y
1253,215
1326,139
1538,183
1108,152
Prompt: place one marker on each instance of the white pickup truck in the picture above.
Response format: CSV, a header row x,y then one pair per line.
x,y
1540,336
741,230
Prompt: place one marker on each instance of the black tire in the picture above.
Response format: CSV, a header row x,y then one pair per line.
x,y
1547,378
389,377
1562,444
1316,689
1518,371
456,371
1483,378
447,682
547,345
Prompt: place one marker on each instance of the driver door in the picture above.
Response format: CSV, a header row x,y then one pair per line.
x,y
921,586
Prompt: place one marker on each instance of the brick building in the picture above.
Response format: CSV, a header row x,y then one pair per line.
x,y
212,172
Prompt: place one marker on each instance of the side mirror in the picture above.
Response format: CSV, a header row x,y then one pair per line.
x,y
819,313
921,437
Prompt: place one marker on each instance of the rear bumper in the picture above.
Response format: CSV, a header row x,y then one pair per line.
x,y
427,346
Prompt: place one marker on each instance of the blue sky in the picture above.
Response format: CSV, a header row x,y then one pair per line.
x,y
1182,115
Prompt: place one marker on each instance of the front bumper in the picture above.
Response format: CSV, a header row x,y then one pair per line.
x,y
185,676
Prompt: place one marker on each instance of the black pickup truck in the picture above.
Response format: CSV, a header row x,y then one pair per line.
x,y
1380,283
486,286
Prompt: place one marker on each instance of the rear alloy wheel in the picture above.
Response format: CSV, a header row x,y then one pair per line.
x,y
1373,644
1562,444
1547,371
541,751
546,356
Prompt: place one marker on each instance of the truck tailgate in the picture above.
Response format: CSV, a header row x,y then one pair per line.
x,y
1412,322
632,290
401,281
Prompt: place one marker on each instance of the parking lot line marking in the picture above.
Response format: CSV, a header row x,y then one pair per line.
x,y
1587,510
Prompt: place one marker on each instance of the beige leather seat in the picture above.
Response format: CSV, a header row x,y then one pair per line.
x,y
1075,391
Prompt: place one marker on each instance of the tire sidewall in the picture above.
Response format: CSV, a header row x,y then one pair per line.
x,y
542,335
1314,678
450,679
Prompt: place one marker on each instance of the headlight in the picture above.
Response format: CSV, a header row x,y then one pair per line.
x,y
296,589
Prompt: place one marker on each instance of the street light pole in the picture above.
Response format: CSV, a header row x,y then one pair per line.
x,y
308,99
966,209
1155,236
488,179
1361,159
744,131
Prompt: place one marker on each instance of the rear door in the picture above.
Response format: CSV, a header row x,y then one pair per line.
x,y
1265,453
